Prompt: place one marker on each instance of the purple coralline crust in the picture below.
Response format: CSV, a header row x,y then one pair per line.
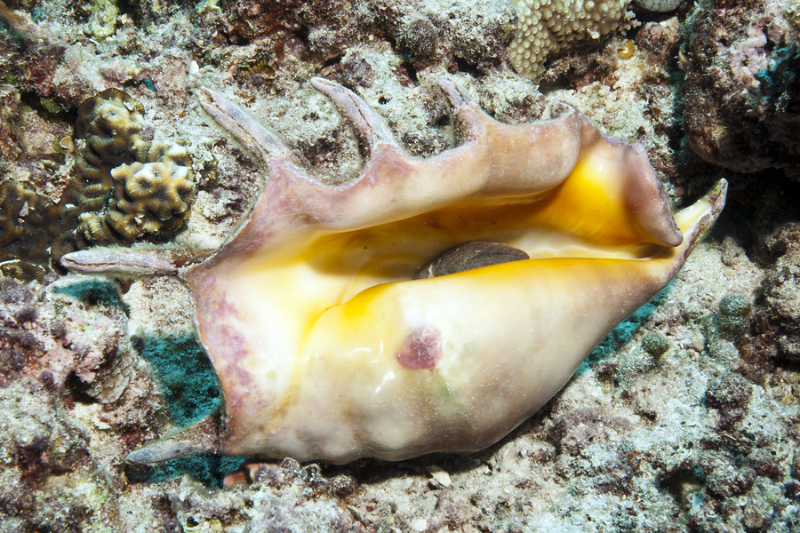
x,y
421,350
700,437
740,105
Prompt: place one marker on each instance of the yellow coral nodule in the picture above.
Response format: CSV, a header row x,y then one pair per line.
x,y
149,224
123,224
142,184
91,227
96,190
626,50
22,270
134,187
92,204
29,223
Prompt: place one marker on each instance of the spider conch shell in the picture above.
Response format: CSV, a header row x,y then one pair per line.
x,y
326,346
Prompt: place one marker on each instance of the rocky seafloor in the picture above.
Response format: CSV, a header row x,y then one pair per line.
x,y
686,418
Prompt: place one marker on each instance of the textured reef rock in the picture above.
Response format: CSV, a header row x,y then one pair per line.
x,y
29,223
777,344
50,369
686,418
742,64
660,6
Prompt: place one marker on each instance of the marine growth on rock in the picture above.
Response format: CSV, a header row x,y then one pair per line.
x,y
740,102
659,6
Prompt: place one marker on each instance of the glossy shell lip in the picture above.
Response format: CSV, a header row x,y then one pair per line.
x,y
325,345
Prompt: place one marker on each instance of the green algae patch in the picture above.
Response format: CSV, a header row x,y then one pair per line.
x,y
187,379
95,292
207,468
191,391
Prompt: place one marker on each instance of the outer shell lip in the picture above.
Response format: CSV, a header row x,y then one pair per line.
x,y
327,349
494,160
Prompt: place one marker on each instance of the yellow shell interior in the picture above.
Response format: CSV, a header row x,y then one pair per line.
x,y
288,288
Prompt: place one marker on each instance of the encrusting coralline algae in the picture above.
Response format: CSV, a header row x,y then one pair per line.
x,y
701,437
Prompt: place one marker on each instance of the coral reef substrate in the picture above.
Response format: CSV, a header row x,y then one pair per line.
x,y
686,417
549,27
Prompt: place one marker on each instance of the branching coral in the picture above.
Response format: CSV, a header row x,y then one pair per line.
x,y
550,26
125,187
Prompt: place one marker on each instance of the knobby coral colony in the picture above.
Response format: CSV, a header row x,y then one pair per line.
x,y
549,27
125,188
431,305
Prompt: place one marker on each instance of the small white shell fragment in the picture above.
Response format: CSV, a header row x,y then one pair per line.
x,y
440,475
420,524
